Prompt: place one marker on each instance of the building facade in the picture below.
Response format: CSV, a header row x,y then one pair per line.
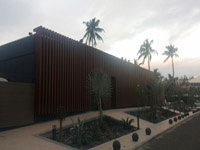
x,y
59,67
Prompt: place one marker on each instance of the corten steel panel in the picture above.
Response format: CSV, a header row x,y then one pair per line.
x,y
62,69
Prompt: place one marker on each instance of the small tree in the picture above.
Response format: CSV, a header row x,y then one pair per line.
x,y
61,115
100,85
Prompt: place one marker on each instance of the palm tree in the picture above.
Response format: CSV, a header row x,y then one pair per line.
x,y
92,32
171,52
146,52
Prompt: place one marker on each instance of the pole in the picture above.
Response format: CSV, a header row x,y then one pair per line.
x,y
138,122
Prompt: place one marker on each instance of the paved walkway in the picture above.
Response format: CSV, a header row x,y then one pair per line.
x,y
185,136
25,138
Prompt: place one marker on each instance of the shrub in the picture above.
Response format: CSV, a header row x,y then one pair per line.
x,y
126,123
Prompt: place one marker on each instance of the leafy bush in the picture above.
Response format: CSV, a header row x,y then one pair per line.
x,y
126,123
154,114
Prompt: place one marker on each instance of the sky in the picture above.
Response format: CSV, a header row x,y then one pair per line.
x,y
127,23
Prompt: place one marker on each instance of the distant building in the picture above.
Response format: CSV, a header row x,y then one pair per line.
x,y
195,82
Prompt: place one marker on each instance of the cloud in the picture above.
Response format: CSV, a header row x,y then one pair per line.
x,y
186,66
121,19
127,23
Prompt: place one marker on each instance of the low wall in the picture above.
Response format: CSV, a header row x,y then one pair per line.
x,y
16,104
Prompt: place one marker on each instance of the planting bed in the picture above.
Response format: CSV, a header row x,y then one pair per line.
x,y
92,134
154,117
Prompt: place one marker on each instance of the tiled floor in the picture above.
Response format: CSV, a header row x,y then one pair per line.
x,y
25,138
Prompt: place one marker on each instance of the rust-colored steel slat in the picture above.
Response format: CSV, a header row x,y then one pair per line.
x,y
62,66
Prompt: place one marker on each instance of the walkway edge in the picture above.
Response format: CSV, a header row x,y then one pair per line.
x,y
162,132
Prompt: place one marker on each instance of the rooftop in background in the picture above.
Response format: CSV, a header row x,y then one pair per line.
x,y
195,80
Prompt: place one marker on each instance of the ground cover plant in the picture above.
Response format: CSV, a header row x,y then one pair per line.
x,y
83,134
153,116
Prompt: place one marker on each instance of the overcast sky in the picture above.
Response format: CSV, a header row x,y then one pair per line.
x,y
127,23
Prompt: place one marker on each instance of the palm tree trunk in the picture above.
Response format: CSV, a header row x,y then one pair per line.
x,y
172,67
92,43
148,63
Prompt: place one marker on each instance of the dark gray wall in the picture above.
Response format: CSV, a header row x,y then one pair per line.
x,y
17,60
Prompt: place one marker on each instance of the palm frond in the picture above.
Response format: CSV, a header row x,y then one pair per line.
x,y
98,36
176,55
166,59
154,51
100,30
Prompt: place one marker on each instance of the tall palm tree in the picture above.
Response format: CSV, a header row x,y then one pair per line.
x,y
171,52
146,52
92,32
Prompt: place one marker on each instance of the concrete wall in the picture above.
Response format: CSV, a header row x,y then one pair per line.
x,y
16,104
